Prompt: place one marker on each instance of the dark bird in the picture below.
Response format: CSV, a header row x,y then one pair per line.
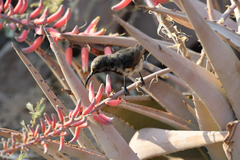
x,y
125,62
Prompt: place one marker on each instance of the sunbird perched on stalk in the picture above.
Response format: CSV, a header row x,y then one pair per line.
x,y
125,62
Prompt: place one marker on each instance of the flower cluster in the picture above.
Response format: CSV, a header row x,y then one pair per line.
x,y
51,127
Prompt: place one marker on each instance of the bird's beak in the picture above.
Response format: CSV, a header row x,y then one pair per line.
x,y
89,76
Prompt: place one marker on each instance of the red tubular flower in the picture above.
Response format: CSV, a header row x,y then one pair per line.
x,y
54,120
56,15
108,88
49,122
54,33
25,137
74,31
161,1
34,46
68,55
37,129
99,119
13,140
18,6
5,144
61,143
36,12
48,130
106,118
84,55
45,146
11,25
10,12
93,24
80,122
115,102
61,22
27,20
99,93
1,25
121,5
76,135
90,107
42,123
91,94
23,7
98,33
39,31
31,129
77,109
45,13
107,50
69,122
7,4
40,21
60,114
23,36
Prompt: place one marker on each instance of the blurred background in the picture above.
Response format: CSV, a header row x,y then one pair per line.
x,y
17,86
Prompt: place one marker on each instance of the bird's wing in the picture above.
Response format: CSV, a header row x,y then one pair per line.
x,y
133,59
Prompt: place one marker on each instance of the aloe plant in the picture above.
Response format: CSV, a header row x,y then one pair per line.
x,y
207,116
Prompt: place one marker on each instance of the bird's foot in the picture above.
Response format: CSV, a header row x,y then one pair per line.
x,y
142,81
126,92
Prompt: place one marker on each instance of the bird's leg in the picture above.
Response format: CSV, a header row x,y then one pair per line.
x,y
126,92
141,78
